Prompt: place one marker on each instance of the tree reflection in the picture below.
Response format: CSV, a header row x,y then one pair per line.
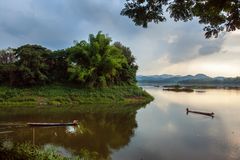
x,y
99,132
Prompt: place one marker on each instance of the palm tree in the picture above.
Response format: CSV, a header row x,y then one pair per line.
x,y
96,62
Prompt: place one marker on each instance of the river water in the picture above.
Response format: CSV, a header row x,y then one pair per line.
x,y
161,130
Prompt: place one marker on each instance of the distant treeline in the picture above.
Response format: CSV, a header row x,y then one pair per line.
x,y
213,81
96,63
199,79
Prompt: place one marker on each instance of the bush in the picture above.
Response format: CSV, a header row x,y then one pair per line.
x,y
26,151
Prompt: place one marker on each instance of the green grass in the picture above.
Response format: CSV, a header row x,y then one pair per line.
x,y
58,95
26,151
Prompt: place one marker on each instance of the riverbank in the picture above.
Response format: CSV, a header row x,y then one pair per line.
x,y
60,95
9,150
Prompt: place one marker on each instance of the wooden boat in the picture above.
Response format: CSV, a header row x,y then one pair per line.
x,y
179,89
6,132
200,91
74,123
203,113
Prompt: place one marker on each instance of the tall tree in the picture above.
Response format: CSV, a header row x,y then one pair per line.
x,y
95,62
57,63
32,64
128,72
7,56
7,66
216,15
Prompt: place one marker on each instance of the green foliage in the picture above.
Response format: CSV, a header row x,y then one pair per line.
x,y
26,151
96,63
217,16
129,70
57,66
59,95
7,56
8,73
32,65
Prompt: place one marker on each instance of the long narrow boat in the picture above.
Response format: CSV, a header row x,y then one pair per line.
x,y
74,123
51,124
197,112
6,132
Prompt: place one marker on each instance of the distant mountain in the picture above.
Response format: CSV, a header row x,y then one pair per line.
x,y
198,79
155,77
170,78
201,76
220,78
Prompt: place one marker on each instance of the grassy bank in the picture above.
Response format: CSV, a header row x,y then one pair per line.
x,y
58,95
26,151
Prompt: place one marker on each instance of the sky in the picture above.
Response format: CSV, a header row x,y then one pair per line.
x,y
164,48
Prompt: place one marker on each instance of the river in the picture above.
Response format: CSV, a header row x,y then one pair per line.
x,y
160,130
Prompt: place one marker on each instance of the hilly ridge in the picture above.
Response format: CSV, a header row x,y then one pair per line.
x,y
198,79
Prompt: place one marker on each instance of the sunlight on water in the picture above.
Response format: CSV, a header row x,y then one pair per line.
x,y
166,132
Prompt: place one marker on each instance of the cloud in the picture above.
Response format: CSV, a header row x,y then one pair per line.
x,y
191,43
56,23
32,22
210,49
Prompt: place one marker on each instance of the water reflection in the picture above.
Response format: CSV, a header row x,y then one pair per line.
x,y
99,132
166,132
161,130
